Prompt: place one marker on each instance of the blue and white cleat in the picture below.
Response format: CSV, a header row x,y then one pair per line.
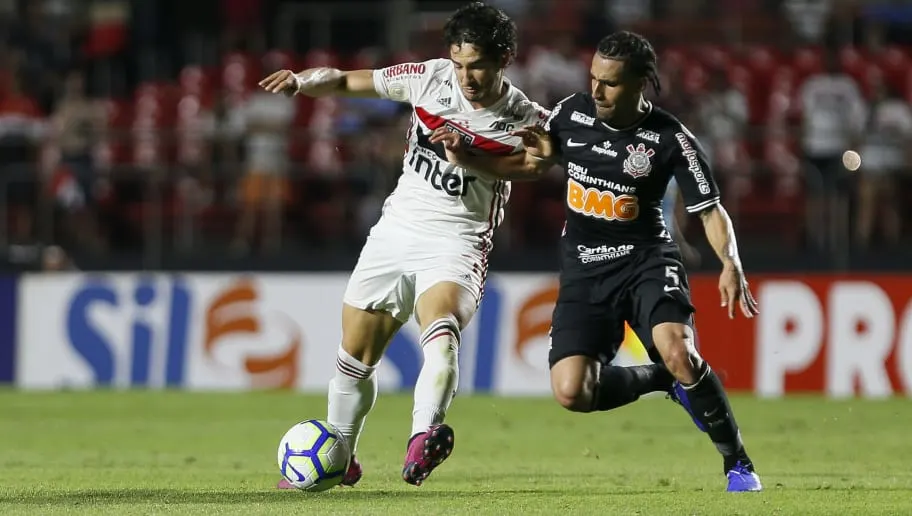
x,y
678,395
742,479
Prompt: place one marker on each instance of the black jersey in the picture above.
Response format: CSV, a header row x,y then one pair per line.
x,y
616,179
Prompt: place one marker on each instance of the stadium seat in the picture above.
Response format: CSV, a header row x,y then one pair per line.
x,y
320,57
695,78
712,56
853,62
894,62
673,57
116,147
404,57
782,104
806,61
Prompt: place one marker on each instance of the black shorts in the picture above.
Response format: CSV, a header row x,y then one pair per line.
x,y
647,289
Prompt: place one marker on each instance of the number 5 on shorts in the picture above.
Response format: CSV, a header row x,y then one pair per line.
x,y
674,281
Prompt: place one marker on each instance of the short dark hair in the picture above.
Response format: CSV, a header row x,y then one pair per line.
x,y
484,26
636,52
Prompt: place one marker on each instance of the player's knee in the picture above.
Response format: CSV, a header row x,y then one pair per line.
x,y
675,343
572,394
359,350
446,300
365,334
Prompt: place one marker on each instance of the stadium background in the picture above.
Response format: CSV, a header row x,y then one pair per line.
x,y
165,224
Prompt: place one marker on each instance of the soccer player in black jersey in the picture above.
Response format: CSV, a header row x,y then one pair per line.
x,y
619,262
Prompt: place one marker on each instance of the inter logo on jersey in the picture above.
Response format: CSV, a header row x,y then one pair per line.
x,y
639,160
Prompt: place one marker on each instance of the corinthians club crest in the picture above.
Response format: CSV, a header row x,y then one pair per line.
x,y
638,162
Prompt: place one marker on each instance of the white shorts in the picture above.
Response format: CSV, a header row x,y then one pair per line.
x,y
391,276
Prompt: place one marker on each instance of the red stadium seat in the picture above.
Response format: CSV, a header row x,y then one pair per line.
x,y
739,76
369,58
191,145
852,61
320,57
148,114
239,75
906,90
695,79
405,57
712,56
761,59
776,204
194,81
807,61
673,57
782,103
280,59
116,148
893,62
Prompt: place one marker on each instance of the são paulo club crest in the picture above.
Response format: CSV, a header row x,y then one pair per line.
x,y
638,162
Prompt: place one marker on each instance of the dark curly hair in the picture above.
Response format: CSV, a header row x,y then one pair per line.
x,y
636,52
484,26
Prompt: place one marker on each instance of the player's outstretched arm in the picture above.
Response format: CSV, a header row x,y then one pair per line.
x,y
733,285
321,82
522,166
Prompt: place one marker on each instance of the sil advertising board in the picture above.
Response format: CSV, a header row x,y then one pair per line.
x,y
845,336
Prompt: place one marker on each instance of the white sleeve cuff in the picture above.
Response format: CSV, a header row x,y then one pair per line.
x,y
700,206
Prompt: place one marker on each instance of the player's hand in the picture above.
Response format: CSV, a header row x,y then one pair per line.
x,y
536,141
283,82
453,144
734,289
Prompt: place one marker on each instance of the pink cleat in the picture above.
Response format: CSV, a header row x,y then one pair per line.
x,y
352,476
426,451
284,484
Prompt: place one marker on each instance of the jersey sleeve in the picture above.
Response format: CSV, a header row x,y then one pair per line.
x,y
530,113
555,122
535,114
692,172
406,82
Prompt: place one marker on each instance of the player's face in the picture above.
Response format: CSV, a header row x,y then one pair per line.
x,y
615,92
479,75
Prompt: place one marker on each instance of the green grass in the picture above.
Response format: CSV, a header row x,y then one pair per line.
x,y
178,453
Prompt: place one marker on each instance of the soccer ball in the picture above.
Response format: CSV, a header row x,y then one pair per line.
x,y
313,455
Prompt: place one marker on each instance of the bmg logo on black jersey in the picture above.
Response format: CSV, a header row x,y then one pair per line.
x,y
448,182
601,204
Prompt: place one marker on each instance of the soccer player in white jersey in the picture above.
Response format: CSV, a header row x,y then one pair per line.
x,y
428,252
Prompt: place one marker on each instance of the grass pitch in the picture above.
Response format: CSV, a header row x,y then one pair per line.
x,y
179,453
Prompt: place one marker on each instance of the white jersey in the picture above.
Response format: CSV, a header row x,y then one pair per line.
x,y
433,196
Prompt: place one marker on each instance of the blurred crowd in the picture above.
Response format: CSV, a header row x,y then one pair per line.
x,y
111,140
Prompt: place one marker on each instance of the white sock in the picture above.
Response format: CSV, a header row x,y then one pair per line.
x,y
352,393
439,374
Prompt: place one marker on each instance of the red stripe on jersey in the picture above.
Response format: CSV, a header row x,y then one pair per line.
x,y
488,145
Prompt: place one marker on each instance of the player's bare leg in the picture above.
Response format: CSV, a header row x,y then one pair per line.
x,y
353,389
442,311
582,384
701,392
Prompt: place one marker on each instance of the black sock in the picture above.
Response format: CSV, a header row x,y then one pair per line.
x,y
710,406
618,386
